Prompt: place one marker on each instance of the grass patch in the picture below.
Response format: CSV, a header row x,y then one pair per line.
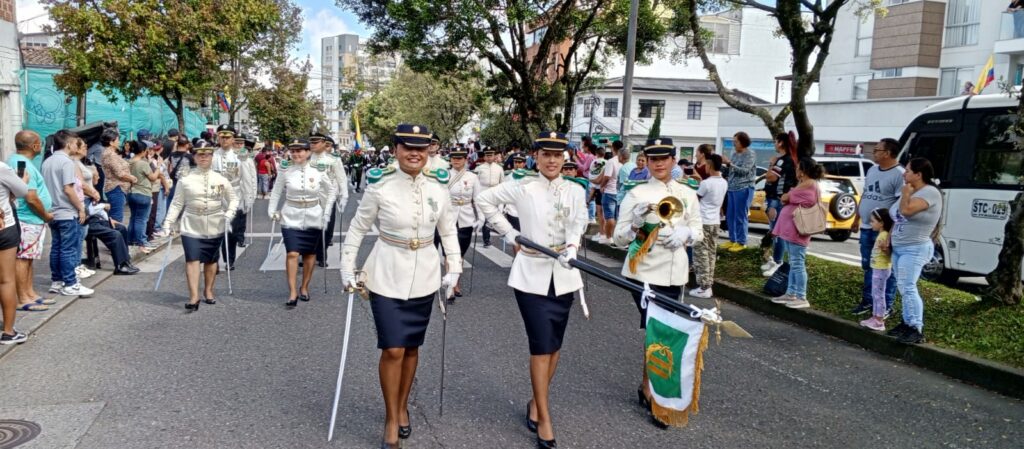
x,y
953,318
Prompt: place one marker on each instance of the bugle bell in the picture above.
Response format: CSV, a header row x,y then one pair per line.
x,y
667,209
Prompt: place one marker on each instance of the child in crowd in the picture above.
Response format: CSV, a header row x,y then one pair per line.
x,y
881,268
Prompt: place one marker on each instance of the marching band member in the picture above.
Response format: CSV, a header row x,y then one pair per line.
x,y
308,192
206,202
514,175
227,164
248,184
323,160
553,212
490,175
569,169
463,188
436,161
657,249
403,269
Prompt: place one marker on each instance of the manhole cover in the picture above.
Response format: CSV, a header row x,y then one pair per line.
x,y
15,432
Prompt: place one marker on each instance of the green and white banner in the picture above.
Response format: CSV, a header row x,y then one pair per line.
x,y
674,359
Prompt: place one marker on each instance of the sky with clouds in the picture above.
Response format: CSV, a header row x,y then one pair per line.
x,y
320,18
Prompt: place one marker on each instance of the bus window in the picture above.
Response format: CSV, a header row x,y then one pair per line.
x,y
938,149
998,158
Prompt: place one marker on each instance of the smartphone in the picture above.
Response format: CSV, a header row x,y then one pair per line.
x,y
21,169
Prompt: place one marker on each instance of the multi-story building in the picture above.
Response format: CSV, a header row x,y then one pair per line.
x,y
345,65
923,48
10,90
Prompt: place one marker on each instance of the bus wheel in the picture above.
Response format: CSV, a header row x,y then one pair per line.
x,y
935,270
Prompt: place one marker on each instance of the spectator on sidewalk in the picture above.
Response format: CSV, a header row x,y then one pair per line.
x,y
641,172
11,186
881,190
161,188
87,193
33,213
700,167
624,172
881,269
916,226
140,199
780,178
61,178
114,236
711,193
805,194
608,181
118,178
741,171
179,164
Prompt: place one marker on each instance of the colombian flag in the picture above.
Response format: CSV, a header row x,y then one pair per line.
x,y
988,74
358,136
224,100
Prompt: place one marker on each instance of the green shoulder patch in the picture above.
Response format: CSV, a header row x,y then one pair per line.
x,y
582,182
521,173
440,175
628,185
374,175
689,182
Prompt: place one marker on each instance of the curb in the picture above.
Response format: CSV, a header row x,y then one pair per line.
x,y
100,277
993,376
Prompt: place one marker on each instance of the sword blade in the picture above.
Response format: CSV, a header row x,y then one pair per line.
x,y
444,335
167,253
341,366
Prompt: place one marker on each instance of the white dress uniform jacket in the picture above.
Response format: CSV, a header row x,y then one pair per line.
x,y
661,266
204,199
226,163
551,213
463,188
247,182
510,209
308,194
490,174
436,161
336,172
408,210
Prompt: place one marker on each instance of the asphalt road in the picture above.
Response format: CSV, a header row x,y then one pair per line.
x,y
130,368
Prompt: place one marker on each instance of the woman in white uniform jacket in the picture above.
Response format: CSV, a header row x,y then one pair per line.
x,y
552,212
404,268
309,194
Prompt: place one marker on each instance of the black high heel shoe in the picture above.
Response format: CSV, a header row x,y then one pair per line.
x,y
546,444
210,301
386,445
642,398
404,432
292,302
304,297
530,424
192,307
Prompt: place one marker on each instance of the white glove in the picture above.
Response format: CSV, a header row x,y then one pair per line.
x,y
348,279
677,238
568,254
640,214
276,216
510,237
341,207
479,224
229,216
449,280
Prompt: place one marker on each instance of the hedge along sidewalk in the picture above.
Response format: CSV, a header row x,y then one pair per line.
x,y
975,342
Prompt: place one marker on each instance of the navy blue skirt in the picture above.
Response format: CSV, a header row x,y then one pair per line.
x,y
302,241
545,318
202,250
401,323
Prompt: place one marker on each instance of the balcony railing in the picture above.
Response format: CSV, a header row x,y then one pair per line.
x,y
1012,25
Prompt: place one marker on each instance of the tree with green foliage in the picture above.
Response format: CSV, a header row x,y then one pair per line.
x,y
445,103
170,48
655,131
500,131
807,26
284,110
538,55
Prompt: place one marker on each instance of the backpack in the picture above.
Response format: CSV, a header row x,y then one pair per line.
x,y
778,283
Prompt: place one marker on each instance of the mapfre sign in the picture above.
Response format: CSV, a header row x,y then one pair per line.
x,y
842,148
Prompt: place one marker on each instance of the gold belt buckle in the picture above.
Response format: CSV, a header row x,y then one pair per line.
x,y
414,244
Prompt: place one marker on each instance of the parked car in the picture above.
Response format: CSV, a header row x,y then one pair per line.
x,y
837,194
853,167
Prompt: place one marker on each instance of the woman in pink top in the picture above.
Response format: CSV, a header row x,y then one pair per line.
x,y
805,194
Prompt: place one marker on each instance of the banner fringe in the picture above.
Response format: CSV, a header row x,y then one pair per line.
x,y
644,249
680,418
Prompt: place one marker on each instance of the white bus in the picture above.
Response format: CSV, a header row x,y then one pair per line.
x,y
980,168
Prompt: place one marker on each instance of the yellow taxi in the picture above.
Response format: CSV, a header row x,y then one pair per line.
x,y
839,196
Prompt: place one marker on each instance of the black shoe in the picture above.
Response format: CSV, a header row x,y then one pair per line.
x,y
861,309
458,293
899,330
545,444
404,432
232,267
321,264
210,301
304,298
657,423
292,303
487,244
911,337
16,338
125,269
191,306
386,445
530,424
640,397
300,264
451,300
240,244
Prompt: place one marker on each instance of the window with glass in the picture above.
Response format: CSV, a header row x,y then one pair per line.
x,y
693,110
952,80
651,108
860,86
611,107
721,42
999,159
936,148
865,35
588,107
963,19
891,73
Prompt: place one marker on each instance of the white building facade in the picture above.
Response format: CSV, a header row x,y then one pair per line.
x,y
10,90
346,63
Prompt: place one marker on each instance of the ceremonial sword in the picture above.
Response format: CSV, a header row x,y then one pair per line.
x,y
344,354
270,244
227,258
163,267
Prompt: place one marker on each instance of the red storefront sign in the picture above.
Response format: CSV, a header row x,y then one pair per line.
x,y
841,148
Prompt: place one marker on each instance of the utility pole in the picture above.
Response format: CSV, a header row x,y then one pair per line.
x,y
627,84
592,102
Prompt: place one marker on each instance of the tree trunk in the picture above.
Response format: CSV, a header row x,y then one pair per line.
x,y
1004,282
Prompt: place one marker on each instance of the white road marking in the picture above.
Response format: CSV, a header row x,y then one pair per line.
x,y
153,263
495,255
846,256
837,259
275,260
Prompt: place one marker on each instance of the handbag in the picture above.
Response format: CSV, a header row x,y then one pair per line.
x,y
810,220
